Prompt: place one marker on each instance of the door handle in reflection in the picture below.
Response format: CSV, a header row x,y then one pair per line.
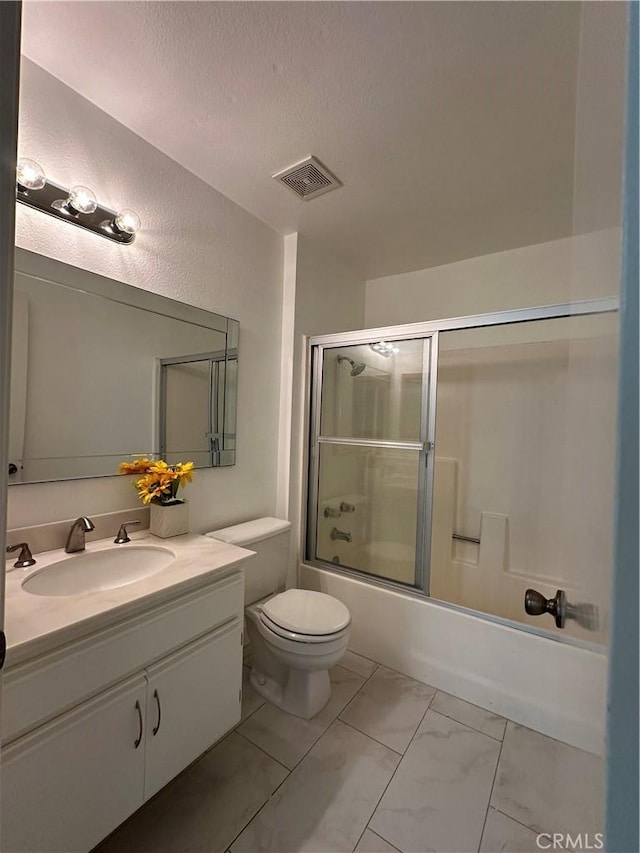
x,y
586,615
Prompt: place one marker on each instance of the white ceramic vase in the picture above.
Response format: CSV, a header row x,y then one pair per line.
x,y
169,519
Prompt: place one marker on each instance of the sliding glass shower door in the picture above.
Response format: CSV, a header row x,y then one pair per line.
x,y
370,461
498,504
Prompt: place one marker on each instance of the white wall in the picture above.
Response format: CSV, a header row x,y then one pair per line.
x,y
580,267
599,126
329,298
196,246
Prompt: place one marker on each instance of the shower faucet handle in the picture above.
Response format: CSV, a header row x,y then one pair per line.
x,y
346,507
331,512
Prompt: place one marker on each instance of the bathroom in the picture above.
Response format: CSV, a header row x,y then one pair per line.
x,y
184,112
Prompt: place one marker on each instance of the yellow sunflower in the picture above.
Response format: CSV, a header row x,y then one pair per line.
x,y
138,466
184,471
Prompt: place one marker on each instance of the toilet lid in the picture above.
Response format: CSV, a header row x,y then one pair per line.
x,y
306,612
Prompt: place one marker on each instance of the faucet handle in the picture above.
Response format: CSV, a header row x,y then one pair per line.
x,y
26,557
123,535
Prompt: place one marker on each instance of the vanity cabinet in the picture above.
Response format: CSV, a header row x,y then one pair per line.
x,y
192,700
71,780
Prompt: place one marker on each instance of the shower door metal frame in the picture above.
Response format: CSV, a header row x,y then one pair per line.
x,y
424,447
428,329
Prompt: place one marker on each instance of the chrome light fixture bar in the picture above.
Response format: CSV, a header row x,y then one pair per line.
x,y
78,205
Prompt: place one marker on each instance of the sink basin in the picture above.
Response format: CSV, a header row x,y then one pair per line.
x,y
99,570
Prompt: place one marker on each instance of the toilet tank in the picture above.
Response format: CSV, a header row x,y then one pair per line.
x,y
266,573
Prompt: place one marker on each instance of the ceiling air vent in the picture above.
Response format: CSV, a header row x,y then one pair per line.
x,y
308,178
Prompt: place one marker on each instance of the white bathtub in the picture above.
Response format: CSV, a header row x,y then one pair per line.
x,y
552,686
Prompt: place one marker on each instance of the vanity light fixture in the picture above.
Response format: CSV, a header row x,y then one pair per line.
x,y
30,175
385,349
80,200
78,205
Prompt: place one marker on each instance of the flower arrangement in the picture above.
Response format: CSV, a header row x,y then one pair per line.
x,y
160,482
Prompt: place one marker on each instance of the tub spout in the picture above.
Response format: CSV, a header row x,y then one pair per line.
x,y
340,534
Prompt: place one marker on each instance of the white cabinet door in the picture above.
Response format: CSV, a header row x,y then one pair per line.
x,y
193,698
69,783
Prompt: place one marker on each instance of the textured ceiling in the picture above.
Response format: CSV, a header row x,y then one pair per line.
x,y
450,124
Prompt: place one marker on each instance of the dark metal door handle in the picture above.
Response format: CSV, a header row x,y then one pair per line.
x,y
535,604
156,728
138,740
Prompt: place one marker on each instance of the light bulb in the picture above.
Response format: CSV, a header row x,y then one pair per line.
x,y
30,174
81,200
128,221
384,348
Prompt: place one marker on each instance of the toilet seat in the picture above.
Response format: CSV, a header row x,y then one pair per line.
x,y
303,614
297,636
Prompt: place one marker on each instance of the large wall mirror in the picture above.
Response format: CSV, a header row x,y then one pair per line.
x,y
102,372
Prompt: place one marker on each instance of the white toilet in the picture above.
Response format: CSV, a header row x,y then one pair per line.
x,y
296,636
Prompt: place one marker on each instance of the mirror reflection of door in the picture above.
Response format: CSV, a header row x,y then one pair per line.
x,y
187,413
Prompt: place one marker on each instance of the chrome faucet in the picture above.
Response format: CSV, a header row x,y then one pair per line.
x,y
25,559
123,533
75,539
340,534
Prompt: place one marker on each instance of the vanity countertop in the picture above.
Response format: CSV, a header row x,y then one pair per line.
x,y
36,624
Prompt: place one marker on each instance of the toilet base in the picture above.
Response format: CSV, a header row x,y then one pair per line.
x,y
304,694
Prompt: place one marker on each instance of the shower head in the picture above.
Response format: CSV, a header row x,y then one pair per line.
x,y
356,366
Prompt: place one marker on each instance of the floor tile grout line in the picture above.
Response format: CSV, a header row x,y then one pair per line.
x,y
366,734
301,759
493,783
377,834
266,702
268,800
469,726
264,751
355,695
379,666
353,726
355,671
248,717
413,736
514,819
375,808
335,719
393,775
289,772
466,726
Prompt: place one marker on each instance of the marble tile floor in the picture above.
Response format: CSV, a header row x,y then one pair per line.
x,y
391,764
